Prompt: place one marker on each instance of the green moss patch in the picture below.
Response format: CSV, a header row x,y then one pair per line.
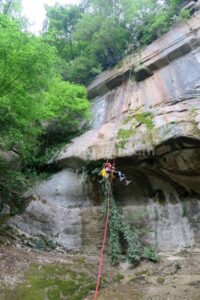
x,y
145,118
52,282
132,120
125,133
121,145
123,136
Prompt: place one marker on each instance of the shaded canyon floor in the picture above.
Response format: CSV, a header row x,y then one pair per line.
x,y
30,274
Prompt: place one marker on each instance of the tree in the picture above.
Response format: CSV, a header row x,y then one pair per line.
x,y
33,99
87,44
96,35
68,111
104,40
10,7
60,25
27,76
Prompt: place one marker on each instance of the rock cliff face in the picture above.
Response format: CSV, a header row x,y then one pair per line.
x,y
147,117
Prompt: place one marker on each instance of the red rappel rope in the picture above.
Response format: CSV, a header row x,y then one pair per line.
x,y
107,218
103,245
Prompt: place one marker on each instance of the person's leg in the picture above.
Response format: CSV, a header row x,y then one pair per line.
x,y
128,182
121,176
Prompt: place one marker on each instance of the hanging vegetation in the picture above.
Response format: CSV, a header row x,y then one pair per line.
x,y
124,239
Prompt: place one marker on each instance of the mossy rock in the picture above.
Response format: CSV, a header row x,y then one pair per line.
x,y
52,282
118,277
160,280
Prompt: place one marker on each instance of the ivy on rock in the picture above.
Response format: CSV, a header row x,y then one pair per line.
x,y
124,239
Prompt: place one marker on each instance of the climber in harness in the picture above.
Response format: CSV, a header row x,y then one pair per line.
x,y
109,171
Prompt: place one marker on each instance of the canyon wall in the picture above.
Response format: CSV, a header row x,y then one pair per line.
x,y
146,116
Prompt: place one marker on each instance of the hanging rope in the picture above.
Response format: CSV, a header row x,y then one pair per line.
x,y
109,191
104,242
113,146
108,206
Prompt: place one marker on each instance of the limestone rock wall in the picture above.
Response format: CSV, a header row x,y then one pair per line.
x,y
152,97
54,211
147,117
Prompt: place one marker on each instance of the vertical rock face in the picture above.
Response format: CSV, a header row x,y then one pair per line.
x,y
147,117
54,212
171,229
132,115
156,208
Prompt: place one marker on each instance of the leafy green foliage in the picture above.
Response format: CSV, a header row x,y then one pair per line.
x,y
61,24
85,44
67,102
10,7
67,114
96,34
145,118
31,91
26,65
35,104
125,133
13,183
150,254
124,239
184,14
42,244
103,45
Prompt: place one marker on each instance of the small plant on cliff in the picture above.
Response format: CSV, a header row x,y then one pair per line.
x,y
145,118
150,254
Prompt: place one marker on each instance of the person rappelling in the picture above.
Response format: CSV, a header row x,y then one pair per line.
x,y
109,171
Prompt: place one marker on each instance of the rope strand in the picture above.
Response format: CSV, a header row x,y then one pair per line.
x,y
103,243
108,200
